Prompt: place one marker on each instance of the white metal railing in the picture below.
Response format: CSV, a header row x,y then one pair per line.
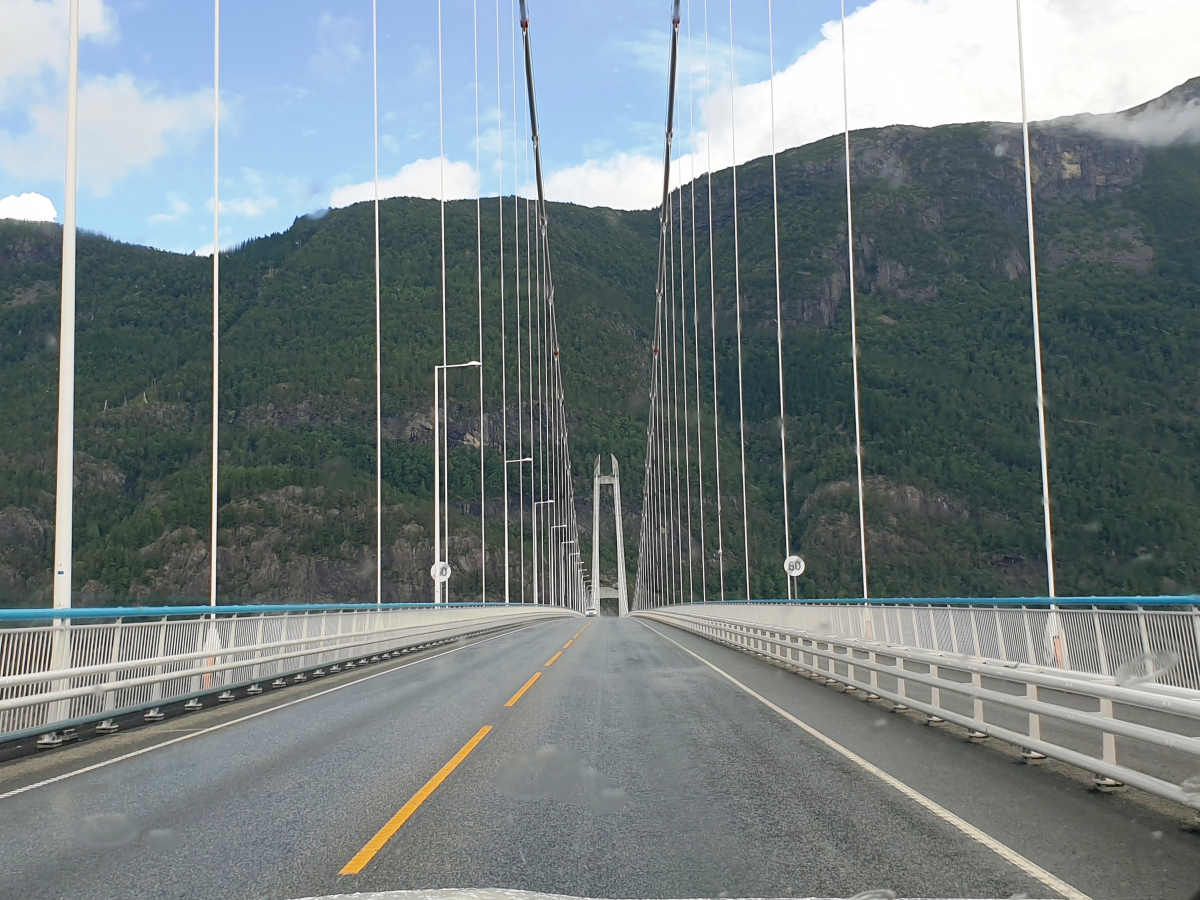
x,y
1138,729
55,672
1113,642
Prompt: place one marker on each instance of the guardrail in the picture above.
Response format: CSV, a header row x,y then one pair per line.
x,y
1137,730
64,668
1078,634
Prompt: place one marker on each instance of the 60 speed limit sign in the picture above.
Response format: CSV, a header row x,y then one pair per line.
x,y
794,566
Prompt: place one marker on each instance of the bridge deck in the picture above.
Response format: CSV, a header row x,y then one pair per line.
x,y
628,769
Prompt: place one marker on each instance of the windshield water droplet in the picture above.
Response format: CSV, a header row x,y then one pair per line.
x,y
108,830
1147,667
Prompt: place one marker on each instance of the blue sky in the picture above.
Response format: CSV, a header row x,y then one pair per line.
x,y
296,132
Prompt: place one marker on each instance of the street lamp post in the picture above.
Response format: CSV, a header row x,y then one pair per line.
x,y
550,558
437,482
568,582
535,546
507,463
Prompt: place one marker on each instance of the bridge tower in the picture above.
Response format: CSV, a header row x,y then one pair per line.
x,y
615,480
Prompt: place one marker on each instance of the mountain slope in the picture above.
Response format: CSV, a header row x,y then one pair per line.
x,y
950,440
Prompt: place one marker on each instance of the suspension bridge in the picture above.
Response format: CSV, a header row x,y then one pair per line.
x,y
702,742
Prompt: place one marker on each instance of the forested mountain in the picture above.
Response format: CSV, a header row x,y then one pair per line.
x,y
953,502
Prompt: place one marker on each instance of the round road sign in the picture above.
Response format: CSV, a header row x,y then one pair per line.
x,y
440,572
794,566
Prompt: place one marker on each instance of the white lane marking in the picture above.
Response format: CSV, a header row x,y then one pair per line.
x,y
255,715
1028,866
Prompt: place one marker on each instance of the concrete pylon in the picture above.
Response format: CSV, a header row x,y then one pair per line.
x,y
615,480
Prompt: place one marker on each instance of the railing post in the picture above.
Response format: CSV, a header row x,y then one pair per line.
x,y
114,658
1033,659
1035,721
953,629
1141,617
999,613
258,647
1100,642
1109,739
60,659
156,691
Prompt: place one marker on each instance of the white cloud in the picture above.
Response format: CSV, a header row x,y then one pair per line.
x,y
123,125
420,178
250,207
178,209
338,51
626,181
30,207
933,62
259,202
1161,122
34,38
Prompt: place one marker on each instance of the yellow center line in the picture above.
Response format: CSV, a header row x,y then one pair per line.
x,y
553,658
568,643
526,686
373,846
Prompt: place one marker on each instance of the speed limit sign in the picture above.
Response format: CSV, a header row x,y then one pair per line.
x,y
794,566
440,572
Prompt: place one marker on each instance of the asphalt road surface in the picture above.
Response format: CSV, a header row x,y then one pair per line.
x,y
642,762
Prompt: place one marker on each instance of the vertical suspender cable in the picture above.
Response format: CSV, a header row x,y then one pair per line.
x,y
737,283
862,515
687,439
533,496
216,323
503,316
440,448
696,314
378,328
517,292
787,522
1037,328
64,490
479,289
712,301
673,400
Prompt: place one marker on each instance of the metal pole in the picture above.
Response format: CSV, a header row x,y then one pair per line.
x,y
65,475
510,462
60,647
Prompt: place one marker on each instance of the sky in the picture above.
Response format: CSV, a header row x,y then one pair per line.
x,y
296,130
